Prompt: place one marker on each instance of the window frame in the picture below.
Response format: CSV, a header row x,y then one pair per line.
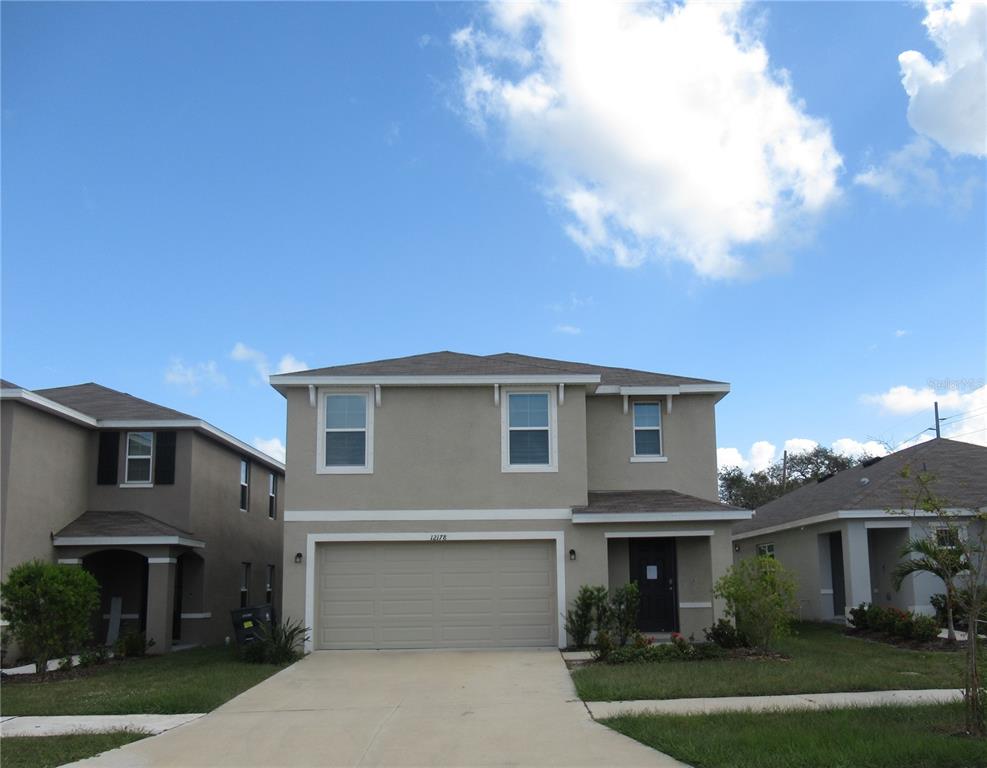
x,y
269,586
272,496
937,528
245,584
642,458
127,457
766,549
321,430
506,429
244,497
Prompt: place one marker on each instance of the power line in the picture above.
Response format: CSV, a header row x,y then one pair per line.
x,y
964,434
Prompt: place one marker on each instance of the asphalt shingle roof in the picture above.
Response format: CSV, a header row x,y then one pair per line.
x,y
119,524
960,471
624,502
506,363
104,403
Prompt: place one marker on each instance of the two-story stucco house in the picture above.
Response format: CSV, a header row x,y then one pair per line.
x,y
454,500
179,521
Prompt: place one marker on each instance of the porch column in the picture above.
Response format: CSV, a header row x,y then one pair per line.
x,y
160,602
856,564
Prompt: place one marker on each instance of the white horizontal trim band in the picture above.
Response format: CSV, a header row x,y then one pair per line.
x,y
851,514
69,561
648,459
825,591
162,560
658,517
123,541
888,524
290,380
695,605
373,515
658,534
206,615
673,389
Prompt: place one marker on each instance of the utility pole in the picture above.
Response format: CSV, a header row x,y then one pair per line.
x,y
784,471
936,406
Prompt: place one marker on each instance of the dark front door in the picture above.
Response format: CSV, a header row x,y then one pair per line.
x,y
653,569
836,564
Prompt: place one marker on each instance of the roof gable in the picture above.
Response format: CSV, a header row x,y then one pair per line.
x,y
104,403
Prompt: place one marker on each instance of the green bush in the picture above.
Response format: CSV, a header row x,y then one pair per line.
x,y
579,620
604,645
895,623
49,609
625,606
858,617
93,655
760,596
925,629
278,643
960,618
726,635
132,645
679,649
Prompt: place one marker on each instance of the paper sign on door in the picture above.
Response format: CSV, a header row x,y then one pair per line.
x,y
652,572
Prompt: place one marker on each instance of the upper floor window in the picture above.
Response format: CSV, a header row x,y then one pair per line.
x,y
647,429
346,444
528,440
272,497
140,447
244,484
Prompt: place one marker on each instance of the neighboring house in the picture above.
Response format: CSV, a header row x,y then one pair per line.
x,y
453,500
179,521
843,534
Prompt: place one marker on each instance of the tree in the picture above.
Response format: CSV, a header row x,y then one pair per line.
x,y
756,489
760,597
49,609
925,555
965,530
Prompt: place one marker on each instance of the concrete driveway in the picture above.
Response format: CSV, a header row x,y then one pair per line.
x,y
399,708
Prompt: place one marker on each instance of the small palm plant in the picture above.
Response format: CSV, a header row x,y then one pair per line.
x,y
927,555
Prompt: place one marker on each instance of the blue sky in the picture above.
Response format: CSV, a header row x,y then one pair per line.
x,y
195,195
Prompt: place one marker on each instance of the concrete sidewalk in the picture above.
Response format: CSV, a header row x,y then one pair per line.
x,y
63,725
799,701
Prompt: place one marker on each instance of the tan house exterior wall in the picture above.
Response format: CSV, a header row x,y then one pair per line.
x,y
688,442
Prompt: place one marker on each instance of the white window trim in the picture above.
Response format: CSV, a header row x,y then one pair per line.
x,y
553,430
934,528
245,576
127,482
320,433
644,458
765,546
272,494
243,484
313,539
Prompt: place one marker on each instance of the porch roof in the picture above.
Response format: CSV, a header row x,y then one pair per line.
x,y
646,506
121,528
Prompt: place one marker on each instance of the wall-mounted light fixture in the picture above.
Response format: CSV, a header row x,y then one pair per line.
x,y
298,557
736,548
572,554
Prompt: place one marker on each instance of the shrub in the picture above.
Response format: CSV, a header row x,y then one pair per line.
x,y
925,629
49,609
625,605
961,619
94,654
760,596
277,643
904,623
679,649
858,617
604,645
580,618
132,645
726,635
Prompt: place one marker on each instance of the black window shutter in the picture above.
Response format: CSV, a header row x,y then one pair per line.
x,y
109,458
164,458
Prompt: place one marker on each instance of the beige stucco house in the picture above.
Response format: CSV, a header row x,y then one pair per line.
x,y
844,534
454,500
179,521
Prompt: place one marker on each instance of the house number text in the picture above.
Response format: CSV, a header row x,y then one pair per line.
x,y
437,537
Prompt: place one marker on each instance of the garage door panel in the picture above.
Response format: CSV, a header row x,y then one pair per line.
x,y
424,594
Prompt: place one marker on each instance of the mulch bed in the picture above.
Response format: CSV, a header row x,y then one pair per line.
x,y
939,644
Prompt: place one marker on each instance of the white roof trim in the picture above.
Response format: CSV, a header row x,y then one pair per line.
x,y
293,380
845,514
45,404
673,389
132,541
660,517
374,515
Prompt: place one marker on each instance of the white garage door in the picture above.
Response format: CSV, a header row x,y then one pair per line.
x,y
449,594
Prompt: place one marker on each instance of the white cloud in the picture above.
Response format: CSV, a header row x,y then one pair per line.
x,y
947,101
760,456
273,447
288,363
850,447
424,40
899,333
962,406
662,131
800,445
571,330
906,172
192,377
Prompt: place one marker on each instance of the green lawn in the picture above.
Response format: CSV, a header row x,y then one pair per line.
x,y
49,751
197,680
879,737
822,659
